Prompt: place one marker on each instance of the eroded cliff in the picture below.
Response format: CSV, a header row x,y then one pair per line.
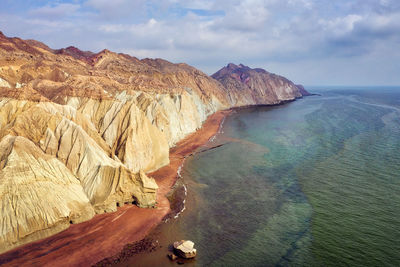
x,y
80,130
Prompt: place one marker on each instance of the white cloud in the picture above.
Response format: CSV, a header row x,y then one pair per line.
x,y
340,25
54,12
195,4
118,9
304,3
260,33
246,15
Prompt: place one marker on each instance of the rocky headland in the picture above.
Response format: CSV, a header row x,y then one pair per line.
x,y
247,87
81,131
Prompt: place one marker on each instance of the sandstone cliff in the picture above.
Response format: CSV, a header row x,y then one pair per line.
x,y
80,130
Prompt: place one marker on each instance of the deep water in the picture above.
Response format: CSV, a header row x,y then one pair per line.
x,y
315,182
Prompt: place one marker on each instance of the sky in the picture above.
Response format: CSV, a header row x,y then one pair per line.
x,y
313,42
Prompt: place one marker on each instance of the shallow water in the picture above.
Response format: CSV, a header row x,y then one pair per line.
x,y
315,182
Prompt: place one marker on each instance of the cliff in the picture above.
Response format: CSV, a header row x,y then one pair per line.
x,y
246,86
303,91
80,130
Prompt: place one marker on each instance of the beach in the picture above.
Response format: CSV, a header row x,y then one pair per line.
x,y
107,234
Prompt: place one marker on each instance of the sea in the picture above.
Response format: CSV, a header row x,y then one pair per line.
x,y
314,182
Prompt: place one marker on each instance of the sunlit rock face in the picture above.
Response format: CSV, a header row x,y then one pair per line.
x,y
80,130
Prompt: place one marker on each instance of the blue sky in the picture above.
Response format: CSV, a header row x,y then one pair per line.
x,y
314,42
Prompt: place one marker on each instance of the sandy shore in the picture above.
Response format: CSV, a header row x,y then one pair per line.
x,y
105,235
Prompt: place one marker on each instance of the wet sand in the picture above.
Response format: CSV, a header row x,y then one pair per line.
x,y
106,235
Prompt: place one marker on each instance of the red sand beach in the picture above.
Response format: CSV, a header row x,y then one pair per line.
x,y
105,235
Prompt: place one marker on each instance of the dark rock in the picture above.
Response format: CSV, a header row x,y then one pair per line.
x,y
172,256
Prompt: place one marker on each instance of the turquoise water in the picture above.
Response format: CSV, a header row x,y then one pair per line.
x,y
315,182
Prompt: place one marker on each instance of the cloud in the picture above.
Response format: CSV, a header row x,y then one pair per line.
x,y
380,26
54,12
246,15
308,4
195,4
280,33
118,9
340,25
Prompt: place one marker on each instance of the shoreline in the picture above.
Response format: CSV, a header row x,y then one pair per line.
x,y
106,235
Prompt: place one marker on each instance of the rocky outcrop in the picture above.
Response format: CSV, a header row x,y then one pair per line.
x,y
80,130
246,86
185,249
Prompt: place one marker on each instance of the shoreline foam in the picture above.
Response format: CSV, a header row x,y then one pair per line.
x,y
106,234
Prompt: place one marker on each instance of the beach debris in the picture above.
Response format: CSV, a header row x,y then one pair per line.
x,y
185,249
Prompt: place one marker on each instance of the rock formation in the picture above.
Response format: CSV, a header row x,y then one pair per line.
x,y
185,249
302,90
246,86
80,130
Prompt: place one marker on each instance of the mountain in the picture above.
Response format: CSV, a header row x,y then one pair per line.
x,y
303,91
80,130
246,86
